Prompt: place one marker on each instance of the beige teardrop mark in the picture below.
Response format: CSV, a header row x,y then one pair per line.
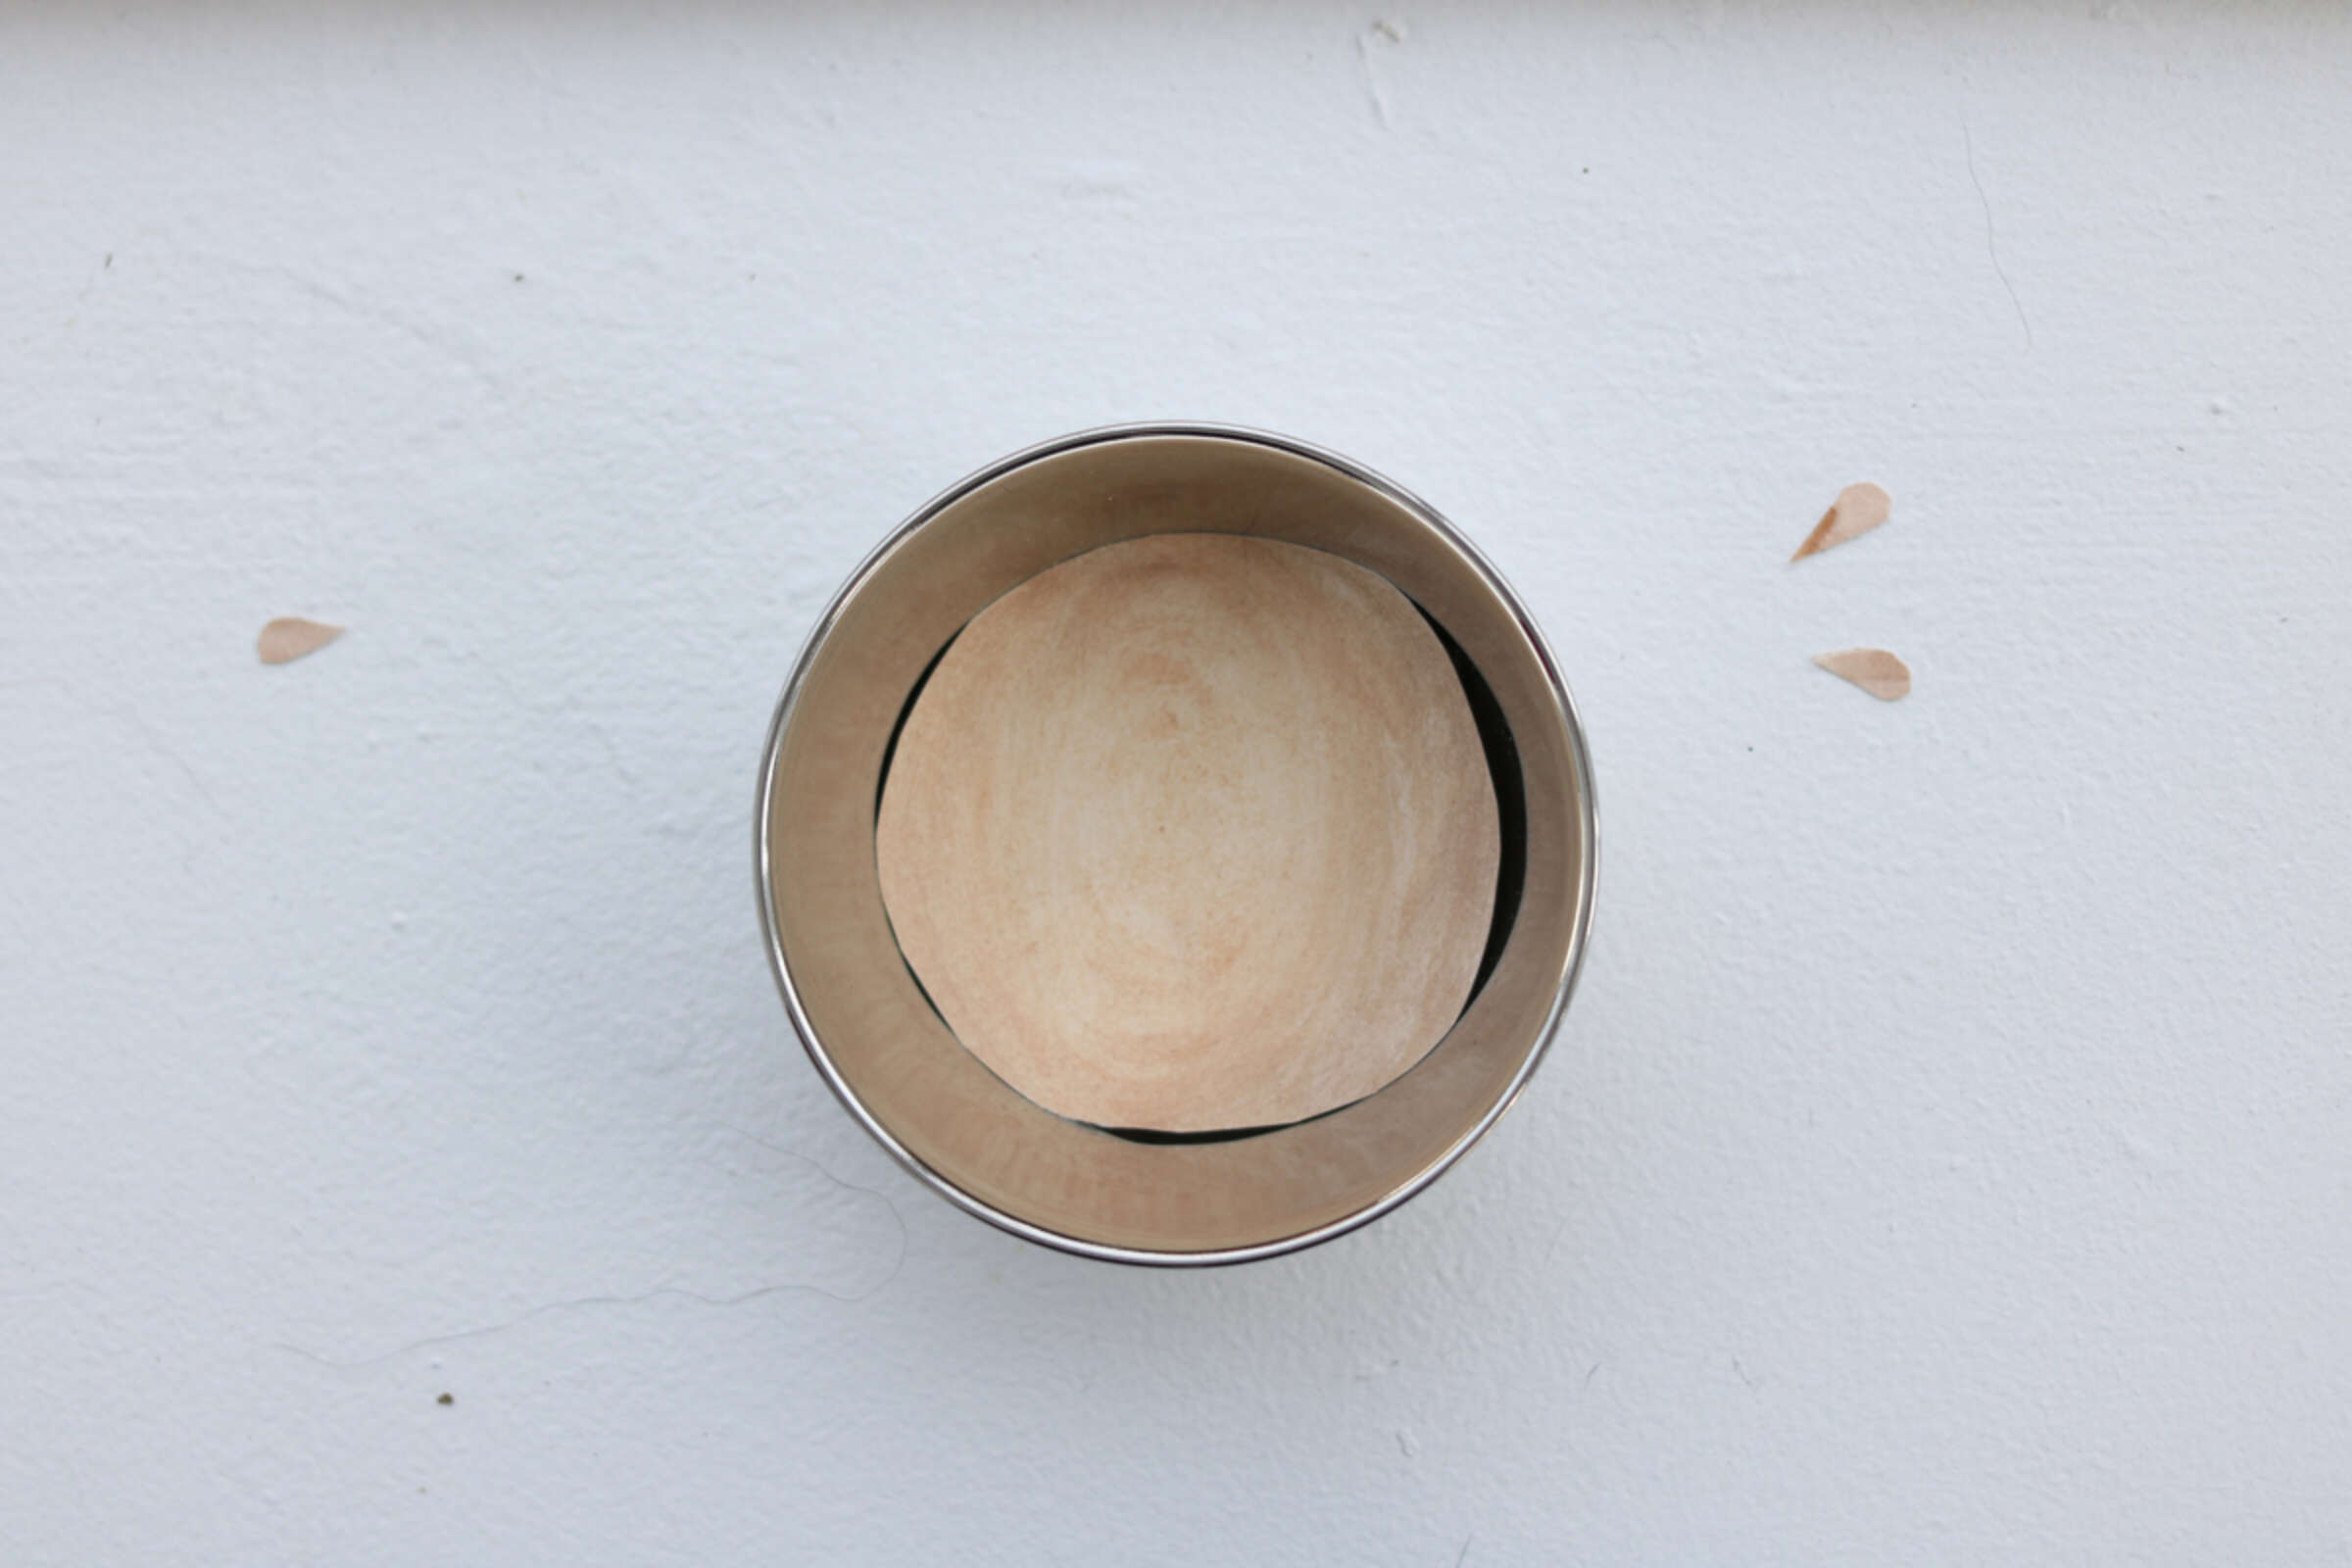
x,y
290,637
1874,669
1858,509
1193,832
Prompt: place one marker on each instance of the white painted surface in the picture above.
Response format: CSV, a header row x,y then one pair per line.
x,y
1949,1156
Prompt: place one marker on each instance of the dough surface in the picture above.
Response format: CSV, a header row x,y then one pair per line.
x,y
1193,832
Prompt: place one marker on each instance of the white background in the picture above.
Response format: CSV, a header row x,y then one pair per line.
x,y
1948,1158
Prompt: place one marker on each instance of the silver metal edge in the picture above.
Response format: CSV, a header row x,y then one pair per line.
x,y
1579,936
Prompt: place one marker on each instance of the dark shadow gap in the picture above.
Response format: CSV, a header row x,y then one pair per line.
x,y
1510,804
890,748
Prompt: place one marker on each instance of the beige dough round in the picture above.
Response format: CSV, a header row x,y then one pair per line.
x,y
1193,832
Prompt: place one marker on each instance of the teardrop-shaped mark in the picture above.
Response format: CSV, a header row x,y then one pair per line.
x,y
289,637
1858,509
1874,669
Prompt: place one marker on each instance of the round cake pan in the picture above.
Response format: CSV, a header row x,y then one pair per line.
x,y
865,1019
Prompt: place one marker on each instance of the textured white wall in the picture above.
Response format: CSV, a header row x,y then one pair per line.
x,y
1949,1155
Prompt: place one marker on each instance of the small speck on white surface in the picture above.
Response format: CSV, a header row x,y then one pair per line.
x,y
1944,1159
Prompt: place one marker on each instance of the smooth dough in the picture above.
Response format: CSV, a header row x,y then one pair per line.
x,y
1193,832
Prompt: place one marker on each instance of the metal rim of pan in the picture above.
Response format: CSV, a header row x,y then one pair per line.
x,y
1585,820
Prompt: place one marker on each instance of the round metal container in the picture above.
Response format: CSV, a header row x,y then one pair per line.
x,y
885,1052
